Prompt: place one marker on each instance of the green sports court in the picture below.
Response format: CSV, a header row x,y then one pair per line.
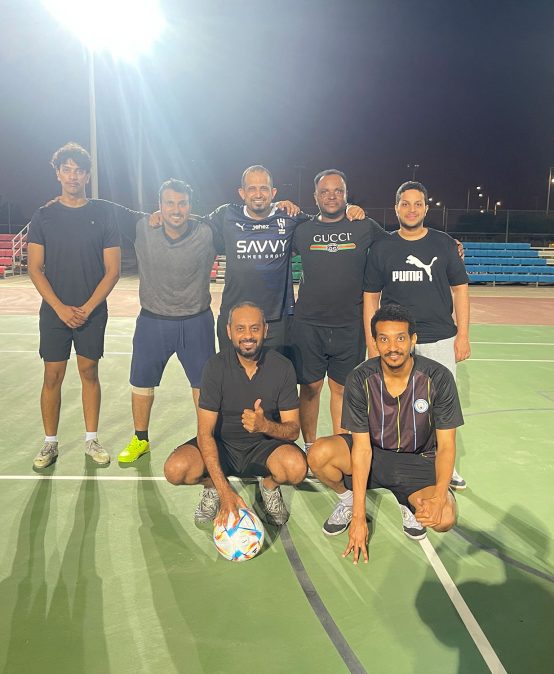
x,y
103,571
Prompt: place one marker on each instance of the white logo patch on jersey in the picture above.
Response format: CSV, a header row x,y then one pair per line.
x,y
240,226
412,259
281,226
421,406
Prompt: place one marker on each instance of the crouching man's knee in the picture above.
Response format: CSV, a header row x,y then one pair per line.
x,y
184,466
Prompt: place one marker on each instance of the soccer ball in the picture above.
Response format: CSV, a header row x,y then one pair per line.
x,y
241,541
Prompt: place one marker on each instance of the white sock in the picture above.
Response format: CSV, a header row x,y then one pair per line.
x,y
347,498
50,438
93,435
307,446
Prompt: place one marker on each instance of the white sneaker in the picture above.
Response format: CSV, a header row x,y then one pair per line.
x,y
47,455
97,453
412,528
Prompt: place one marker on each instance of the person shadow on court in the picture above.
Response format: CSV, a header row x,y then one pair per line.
x,y
514,613
55,625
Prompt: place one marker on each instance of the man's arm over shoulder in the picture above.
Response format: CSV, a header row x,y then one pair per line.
x,y
122,218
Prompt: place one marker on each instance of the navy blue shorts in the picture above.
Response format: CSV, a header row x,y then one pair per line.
x,y
157,339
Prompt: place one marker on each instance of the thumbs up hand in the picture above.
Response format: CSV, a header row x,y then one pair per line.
x,y
254,420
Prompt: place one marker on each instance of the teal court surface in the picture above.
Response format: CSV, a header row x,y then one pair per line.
x,y
103,570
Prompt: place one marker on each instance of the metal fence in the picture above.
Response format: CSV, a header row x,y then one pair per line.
x,y
513,225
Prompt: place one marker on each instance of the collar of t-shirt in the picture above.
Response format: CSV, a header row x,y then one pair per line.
x,y
407,383
235,362
274,210
188,231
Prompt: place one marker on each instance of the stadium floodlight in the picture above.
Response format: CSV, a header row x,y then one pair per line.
x,y
122,28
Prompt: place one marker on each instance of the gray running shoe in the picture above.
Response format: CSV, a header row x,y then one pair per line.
x,y
412,528
276,512
97,453
208,507
339,520
457,481
47,455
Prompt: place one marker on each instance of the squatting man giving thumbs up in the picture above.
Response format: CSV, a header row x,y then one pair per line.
x,y
248,421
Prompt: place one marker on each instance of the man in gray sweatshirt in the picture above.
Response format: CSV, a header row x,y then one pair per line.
x,y
174,263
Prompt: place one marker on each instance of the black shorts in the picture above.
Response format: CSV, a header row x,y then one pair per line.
x,y
277,334
317,351
251,462
402,473
56,337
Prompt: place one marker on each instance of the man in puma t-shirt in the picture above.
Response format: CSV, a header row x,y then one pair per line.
x,y
420,269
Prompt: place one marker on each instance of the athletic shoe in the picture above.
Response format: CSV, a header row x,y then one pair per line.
x,y
47,455
276,512
208,507
412,528
134,450
339,520
97,453
457,481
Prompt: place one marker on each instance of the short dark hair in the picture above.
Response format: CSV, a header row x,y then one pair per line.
x,y
328,172
393,312
177,186
255,169
411,185
245,304
72,151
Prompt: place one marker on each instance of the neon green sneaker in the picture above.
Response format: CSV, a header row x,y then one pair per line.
x,y
134,450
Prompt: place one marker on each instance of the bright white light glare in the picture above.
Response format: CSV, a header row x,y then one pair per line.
x,y
125,28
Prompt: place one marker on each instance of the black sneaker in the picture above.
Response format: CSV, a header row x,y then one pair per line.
x,y
338,521
412,528
457,482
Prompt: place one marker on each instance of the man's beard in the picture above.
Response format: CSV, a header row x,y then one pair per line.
x,y
249,355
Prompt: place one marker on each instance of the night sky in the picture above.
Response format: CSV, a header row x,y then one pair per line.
x,y
464,89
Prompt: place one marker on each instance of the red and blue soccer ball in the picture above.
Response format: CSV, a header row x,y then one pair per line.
x,y
241,540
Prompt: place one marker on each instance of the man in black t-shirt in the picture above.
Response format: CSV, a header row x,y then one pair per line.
x,y
327,336
420,269
402,411
247,424
74,255
256,239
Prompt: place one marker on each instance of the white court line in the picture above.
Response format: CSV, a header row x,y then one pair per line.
x,y
130,334
101,478
509,360
471,360
472,626
513,343
35,334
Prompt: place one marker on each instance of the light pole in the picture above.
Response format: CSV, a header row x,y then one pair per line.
x,y
496,204
478,188
550,183
103,26
413,168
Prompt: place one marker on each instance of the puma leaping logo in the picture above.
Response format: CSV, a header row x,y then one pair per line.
x,y
412,259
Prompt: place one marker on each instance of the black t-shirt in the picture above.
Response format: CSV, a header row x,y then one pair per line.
x,y
74,240
226,388
258,258
405,423
334,256
418,275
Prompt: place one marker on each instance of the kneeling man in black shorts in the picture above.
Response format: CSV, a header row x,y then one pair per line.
x,y
248,421
402,411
